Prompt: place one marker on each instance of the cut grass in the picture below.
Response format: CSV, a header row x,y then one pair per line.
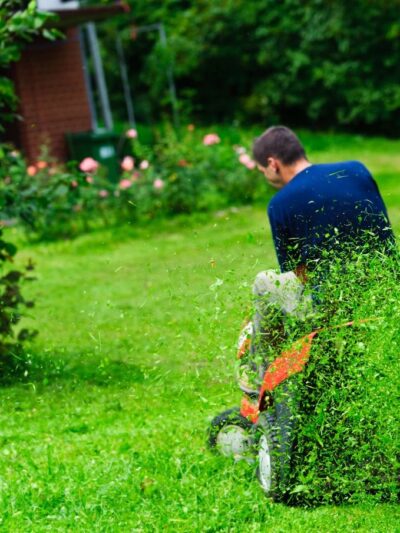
x,y
135,356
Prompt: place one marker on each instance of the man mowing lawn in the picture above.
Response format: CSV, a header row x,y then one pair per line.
x,y
321,211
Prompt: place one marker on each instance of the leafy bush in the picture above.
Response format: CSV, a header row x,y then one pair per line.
x,y
347,414
49,200
11,305
305,63
196,172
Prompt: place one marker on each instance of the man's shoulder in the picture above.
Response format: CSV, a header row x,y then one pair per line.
x,y
329,168
309,178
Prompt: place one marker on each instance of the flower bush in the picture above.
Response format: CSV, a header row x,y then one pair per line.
x,y
194,172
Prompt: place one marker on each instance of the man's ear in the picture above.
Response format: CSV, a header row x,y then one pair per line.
x,y
274,164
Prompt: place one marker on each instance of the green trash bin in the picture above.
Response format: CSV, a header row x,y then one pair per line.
x,y
106,147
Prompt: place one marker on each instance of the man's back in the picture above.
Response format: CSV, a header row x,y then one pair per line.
x,y
323,205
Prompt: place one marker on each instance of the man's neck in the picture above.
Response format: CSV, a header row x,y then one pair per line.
x,y
288,172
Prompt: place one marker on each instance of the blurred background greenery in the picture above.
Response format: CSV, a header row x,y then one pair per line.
x,y
314,64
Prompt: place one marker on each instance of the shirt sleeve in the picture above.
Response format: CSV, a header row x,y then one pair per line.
x,y
280,235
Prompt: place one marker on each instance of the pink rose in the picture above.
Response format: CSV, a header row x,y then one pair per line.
x,y
31,170
41,164
125,184
128,163
74,183
158,184
89,165
144,165
135,176
246,160
103,193
89,179
210,139
131,133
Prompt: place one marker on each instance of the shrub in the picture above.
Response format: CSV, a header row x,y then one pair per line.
x,y
195,172
11,305
48,199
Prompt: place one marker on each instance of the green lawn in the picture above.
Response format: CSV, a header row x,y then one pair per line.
x,y
135,356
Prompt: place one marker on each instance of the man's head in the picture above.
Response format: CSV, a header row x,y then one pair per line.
x,y
279,155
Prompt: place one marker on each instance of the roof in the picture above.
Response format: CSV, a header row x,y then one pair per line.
x,y
74,17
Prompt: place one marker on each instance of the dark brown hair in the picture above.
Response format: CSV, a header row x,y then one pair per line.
x,y
279,142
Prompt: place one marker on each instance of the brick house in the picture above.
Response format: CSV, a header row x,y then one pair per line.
x,y
51,83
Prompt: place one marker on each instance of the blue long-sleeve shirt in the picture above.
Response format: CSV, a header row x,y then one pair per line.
x,y
324,205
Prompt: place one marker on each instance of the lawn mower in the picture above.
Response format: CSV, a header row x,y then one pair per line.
x,y
255,431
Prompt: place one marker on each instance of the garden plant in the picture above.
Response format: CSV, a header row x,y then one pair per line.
x,y
184,172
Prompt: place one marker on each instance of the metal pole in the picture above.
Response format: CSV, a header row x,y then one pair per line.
x,y
125,82
170,76
99,75
88,82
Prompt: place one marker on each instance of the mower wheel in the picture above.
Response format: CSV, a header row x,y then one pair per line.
x,y
230,434
268,466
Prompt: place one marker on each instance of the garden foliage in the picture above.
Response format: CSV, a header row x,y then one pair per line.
x,y
12,304
195,172
346,401
309,63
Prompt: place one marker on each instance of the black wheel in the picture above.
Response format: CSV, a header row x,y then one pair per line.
x,y
230,434
268,458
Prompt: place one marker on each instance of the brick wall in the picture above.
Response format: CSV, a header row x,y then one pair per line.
x,y
53,100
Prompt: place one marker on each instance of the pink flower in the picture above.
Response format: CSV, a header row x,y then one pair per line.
x,y
74,183
128,163
135,176
31,170
144,165
125,184
89,179
131,133
103,193
246,160
89,165
158,184
41,164
210,139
